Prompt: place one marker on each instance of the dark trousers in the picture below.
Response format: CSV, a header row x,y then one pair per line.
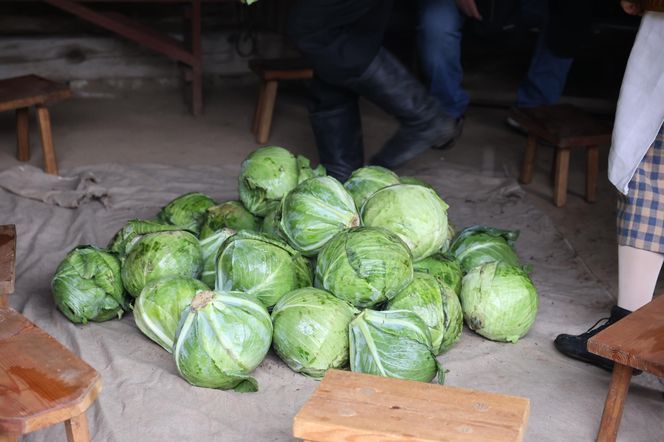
x,y
340,38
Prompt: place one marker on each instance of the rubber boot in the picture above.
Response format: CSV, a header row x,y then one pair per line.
x,y
338,133
388,84
576,346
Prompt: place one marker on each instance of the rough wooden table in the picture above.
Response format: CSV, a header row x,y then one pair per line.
x,y
635,342
358,407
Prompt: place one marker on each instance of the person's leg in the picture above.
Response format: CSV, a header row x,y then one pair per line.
x,y
637,276
545,81
439,40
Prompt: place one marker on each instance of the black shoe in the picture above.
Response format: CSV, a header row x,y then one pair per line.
x,y
458,130
576,346
338,134
389,85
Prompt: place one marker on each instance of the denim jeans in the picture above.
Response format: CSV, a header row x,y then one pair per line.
x,y
439,37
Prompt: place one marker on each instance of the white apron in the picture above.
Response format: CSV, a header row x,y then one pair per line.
x,y
640,111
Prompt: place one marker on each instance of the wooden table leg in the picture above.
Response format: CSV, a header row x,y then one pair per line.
x,y
77,429
259,108
267,110
23,134
44,120
592,170
560,181
615,401
528,165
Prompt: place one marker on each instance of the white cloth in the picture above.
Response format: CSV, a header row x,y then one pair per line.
x,y
640,110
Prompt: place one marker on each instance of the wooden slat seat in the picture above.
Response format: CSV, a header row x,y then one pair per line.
x,y
358,407
21,93
635,342
566,127
270,72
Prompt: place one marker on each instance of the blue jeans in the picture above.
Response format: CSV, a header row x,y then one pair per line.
x,y
439,36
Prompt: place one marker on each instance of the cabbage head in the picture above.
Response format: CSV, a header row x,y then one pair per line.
x,y
477,245
437,306
186,211
266,175
364,266
161,254
87,286
128,235
445,268
392,343
231,215
415,213
315,211
158,308
305,171
364,181
221,339
414,180
262,266
271,224
311,331
210,247
499,301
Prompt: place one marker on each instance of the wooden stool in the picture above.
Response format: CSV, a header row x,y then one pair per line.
x,y
270,72
636,341
41,382
566,127
19,94
358,407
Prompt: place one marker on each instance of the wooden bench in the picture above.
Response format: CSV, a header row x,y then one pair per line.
x,y
21,93
41,382
270,73
358,407
635,342
566,127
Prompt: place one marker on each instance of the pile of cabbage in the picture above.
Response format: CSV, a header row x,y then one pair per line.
x,y
367,275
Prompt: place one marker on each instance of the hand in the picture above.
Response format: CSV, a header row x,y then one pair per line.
x,y
469,8
632,8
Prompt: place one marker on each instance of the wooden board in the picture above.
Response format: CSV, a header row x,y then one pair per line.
x,y
42,382
28,90
352,407
7,260
563,125
636,340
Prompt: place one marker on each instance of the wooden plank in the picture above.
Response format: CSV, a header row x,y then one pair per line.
x,y
43,383
7,261
561,177
30,90
352,406
23,134
44,121
614,404
636,340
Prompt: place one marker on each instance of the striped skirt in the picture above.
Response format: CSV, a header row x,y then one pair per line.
x,y
640,216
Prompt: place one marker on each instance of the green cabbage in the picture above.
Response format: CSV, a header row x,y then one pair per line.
x,y
364,181
231,215
415,213
311,331
126,237
437,306
305,171
271,224
499,301
221,339
445,268
364,266
262,266
87,286
210,247
186,211
266,175
162,254
477,245
414,180
159,306
315,211
393,343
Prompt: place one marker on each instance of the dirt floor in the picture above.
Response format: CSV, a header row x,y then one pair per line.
x,y
155,127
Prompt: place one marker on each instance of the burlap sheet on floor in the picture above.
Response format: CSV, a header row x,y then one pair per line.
x,y
144,399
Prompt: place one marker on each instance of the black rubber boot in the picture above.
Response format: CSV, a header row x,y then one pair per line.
x,y
576,346
338,134
388,84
